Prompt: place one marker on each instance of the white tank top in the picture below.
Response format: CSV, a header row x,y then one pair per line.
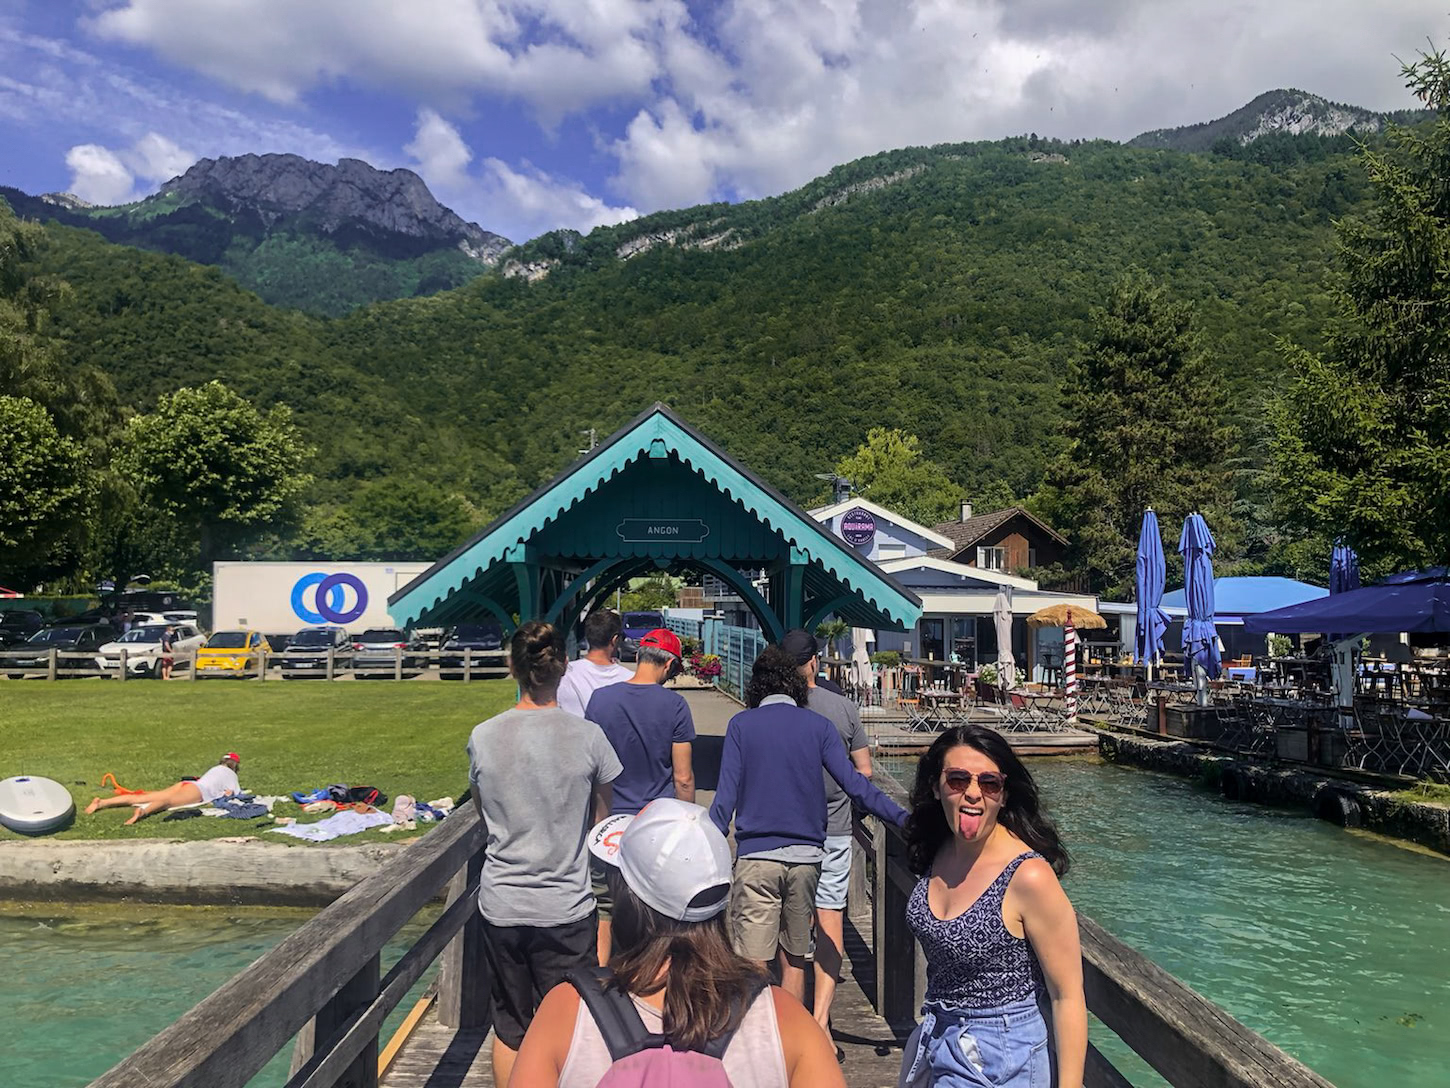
x,y
754,1056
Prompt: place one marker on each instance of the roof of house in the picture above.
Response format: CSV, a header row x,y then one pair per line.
x,y
825,513
963,534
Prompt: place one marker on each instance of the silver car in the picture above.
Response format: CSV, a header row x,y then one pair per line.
x,y
375,652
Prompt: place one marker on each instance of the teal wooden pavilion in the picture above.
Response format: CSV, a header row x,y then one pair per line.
x,y
655,496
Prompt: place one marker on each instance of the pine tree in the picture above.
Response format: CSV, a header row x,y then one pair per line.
x,y
1362,444
1146,426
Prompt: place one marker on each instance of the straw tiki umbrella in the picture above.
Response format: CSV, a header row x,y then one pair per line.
x,y
1071,620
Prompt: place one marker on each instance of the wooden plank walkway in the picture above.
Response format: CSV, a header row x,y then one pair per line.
x,y
440,1057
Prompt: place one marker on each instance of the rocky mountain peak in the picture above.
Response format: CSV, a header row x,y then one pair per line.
x,y
1285,110
332,197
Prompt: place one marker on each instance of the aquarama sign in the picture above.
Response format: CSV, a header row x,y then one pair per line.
x,y
858,527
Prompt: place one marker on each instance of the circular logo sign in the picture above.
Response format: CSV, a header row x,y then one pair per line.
x,y
322,598
858,527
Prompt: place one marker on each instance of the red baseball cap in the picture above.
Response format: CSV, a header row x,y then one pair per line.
x,y
233,757
662,638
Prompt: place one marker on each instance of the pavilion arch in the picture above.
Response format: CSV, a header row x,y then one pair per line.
x,y
655,496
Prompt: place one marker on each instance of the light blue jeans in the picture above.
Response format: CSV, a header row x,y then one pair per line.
x,y
1004,1047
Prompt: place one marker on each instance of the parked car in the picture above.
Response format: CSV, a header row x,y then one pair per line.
x,y
181,615
66,638
469,636
306,654
232,653
18,625
636,626
143,648
375,653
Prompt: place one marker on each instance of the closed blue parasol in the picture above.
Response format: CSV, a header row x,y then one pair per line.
x,y
1152,620
1200,637
1343,568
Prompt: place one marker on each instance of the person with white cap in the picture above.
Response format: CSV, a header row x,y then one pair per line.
x,y
677,1006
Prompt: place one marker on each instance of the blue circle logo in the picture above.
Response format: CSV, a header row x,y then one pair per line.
x,y
321,598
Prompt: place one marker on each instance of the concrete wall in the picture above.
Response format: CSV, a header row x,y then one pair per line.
x,y
207,872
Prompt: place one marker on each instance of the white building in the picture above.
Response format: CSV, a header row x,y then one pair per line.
x,y
957,599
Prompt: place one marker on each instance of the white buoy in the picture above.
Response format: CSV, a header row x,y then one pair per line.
x,y
35,806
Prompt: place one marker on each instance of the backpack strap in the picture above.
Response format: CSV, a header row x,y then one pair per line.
x,y
614,1014
716,1048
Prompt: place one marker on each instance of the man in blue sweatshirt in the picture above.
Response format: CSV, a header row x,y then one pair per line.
x,y
771,783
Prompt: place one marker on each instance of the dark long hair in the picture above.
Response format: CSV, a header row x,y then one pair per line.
x,y
775,672
707,985
537,659
1021,811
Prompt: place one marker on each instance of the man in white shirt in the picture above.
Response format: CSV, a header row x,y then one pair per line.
x,y
598,668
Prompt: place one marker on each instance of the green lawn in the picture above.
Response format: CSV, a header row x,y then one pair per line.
x,y
401,738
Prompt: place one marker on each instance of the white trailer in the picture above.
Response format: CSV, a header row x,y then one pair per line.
x,y
283,598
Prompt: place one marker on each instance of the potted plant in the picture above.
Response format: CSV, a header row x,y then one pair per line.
x,y
705,666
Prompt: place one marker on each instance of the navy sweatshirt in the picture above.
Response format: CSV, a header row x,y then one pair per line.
x,y
770,779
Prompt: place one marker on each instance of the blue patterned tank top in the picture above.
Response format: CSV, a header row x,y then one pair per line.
x,y
972,962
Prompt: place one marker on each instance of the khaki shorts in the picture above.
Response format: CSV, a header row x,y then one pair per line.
x,y
772,903
599,885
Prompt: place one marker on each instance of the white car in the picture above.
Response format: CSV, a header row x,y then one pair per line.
x,y
143,648
146,619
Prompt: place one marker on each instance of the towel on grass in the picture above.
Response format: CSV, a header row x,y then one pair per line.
x,y
334,827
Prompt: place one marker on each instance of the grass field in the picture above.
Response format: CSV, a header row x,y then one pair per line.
x,y
401,738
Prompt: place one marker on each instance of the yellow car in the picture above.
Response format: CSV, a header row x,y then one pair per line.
x,y
231,653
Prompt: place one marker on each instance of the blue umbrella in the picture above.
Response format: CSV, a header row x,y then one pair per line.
x,y
1152,620
1343,568
1200,637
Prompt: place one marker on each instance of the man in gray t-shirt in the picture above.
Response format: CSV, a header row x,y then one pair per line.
x,y
534,774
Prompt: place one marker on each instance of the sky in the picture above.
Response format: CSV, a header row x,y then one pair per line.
x,y
528,115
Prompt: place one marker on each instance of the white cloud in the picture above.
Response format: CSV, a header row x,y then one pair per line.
x,y
518,203
439,151
103,176
99,176
557,55
535,202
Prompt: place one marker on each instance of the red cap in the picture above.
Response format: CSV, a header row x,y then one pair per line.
x,y
233,756
663,639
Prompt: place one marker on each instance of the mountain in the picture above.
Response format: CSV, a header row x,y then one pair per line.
x,y
318,237
1296,113
941,290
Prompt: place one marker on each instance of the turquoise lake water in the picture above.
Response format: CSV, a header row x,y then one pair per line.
x,y
90,985
1333,944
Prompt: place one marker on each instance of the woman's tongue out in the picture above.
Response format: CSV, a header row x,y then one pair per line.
x,y
969,822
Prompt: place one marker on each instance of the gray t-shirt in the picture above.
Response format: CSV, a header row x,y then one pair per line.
x,y
846,717
534,772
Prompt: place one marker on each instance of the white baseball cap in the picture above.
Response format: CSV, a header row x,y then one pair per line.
x,y
668,854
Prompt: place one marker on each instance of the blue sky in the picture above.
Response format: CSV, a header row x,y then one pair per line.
x,y
525,115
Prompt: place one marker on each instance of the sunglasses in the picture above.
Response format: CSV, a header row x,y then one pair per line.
x,y
990,782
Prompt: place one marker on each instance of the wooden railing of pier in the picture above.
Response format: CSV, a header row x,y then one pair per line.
x,y
323,986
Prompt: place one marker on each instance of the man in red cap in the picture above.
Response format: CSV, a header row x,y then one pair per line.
x,y
652,732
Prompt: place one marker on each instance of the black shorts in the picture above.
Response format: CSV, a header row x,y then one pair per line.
x,y
525,963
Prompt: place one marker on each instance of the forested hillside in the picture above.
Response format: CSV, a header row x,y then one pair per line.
x,y
938,290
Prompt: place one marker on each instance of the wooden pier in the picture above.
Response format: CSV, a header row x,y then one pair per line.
x,y
320,991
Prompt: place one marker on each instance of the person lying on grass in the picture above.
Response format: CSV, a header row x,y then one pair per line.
x,y
219,781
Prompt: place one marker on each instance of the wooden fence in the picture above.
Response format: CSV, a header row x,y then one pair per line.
x,y
323,985
465,665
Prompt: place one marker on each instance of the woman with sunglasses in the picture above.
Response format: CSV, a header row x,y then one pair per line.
x,y
999,934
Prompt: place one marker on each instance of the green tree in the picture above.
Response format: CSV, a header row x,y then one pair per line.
x,y
1146,427
391,518
829,631
1362,435
890,470
216,469
650,594
43,494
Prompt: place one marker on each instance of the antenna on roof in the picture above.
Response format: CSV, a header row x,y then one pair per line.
x,y
841,487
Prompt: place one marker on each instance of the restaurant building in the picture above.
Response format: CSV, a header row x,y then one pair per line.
x,y
957,597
